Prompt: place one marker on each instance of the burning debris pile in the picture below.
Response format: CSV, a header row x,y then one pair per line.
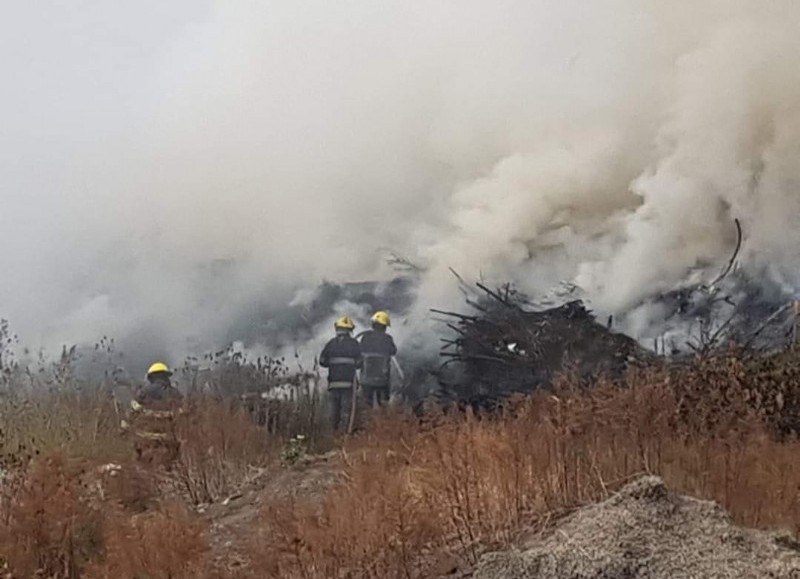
x,y
507,343
506,347
738,307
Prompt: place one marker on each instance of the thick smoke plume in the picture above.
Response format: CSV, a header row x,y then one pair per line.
x,y
172,172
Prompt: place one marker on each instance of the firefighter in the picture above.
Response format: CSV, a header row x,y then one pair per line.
x,y
155,407
342,357
377,349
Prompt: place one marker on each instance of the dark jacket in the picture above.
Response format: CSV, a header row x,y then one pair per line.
x,y
160,402
342,357
377,348
376,342
159,395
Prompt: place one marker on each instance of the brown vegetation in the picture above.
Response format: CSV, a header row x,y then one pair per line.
x,y
417,498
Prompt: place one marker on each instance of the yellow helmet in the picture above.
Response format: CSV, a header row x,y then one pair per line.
x,y
157,368
381,318
344,323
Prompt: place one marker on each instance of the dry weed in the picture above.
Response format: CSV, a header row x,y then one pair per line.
x,y
81,423
220,446
457,483
163,544
46,530
471,482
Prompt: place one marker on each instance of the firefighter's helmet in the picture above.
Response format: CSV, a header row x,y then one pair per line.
x,y
381,318
159,368
344,323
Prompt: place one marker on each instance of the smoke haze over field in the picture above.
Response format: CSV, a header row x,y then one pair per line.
x,y
170,170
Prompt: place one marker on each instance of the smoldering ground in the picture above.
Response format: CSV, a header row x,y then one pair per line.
x,y
168,170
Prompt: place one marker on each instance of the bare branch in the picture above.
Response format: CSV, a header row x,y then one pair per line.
x,y
732,260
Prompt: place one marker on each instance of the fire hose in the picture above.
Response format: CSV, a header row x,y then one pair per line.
x,y
353,403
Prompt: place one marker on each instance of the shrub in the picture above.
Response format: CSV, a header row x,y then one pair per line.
x,y
220,447
46,529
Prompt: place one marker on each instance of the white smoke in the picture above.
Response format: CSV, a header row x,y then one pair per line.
x,y
169,165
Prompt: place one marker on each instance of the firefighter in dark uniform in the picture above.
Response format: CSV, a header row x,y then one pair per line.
x,y
377,350
342,357
153,416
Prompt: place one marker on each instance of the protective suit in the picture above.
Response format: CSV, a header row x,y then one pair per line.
x,y
377,350
153,413
342,357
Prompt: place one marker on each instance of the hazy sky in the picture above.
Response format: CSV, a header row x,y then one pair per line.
x,y
166,165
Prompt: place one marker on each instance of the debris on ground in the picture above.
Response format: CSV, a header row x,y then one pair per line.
x,y
648,532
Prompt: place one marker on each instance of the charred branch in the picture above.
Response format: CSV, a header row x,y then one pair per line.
x,y
506,347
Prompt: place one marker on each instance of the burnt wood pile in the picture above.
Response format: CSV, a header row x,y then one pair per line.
x,y
502,346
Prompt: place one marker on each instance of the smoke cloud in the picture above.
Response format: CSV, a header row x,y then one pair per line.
x,y
174,172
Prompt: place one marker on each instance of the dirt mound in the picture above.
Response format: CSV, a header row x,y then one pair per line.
x,y
648,532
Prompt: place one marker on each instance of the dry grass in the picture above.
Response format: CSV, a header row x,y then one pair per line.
x,y
80,422
45,529
73,502
457,483
161,544
220,447
469,483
